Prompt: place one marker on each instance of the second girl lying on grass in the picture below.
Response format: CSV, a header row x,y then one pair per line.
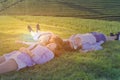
x,y
87,42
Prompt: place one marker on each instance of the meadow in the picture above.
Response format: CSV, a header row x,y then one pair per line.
x,y
96,65
64,18
95,9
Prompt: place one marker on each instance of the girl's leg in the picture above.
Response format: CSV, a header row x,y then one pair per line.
x,y
34,35
31,31
111,38
37,28
8,66
2,59
29,28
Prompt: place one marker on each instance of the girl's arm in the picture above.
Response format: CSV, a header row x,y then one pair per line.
x,y
30,53
25,42
91,47
32,46
27,51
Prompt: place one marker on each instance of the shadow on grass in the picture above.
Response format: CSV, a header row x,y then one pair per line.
x,y
79,7
9,6
98,14
100,71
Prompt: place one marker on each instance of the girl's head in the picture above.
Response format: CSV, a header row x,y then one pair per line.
x,y
56,45
52,46
67,45
72,45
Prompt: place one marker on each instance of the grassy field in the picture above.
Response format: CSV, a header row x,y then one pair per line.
x,y
64,18
100,9
97,65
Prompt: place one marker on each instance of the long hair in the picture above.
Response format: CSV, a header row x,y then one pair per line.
x,y
67,46
59,42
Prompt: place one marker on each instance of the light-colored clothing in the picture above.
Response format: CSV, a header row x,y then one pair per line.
x,y
14,55
87,42
37,35
84,38
42,37
99,36
41,55
92,47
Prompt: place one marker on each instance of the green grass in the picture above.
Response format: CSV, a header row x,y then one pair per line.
x,y
101,9
97,65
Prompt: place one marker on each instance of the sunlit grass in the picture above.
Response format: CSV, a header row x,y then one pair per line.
x,y
97,65
73,25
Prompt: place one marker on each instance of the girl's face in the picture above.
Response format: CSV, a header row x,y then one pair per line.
x,y
77,41
52,46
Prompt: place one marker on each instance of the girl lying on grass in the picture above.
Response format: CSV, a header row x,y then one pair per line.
x,y
83,42
34,54
88,42
39,36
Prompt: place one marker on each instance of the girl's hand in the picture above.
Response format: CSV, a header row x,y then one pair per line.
x,y
27,51
23,50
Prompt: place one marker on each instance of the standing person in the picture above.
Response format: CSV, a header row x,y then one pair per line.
x,y
34,54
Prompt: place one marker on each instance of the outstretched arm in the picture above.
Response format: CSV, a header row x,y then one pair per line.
x,y
27,51
91,47
25,42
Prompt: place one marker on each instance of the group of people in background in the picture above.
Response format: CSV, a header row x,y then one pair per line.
x,y
48,45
